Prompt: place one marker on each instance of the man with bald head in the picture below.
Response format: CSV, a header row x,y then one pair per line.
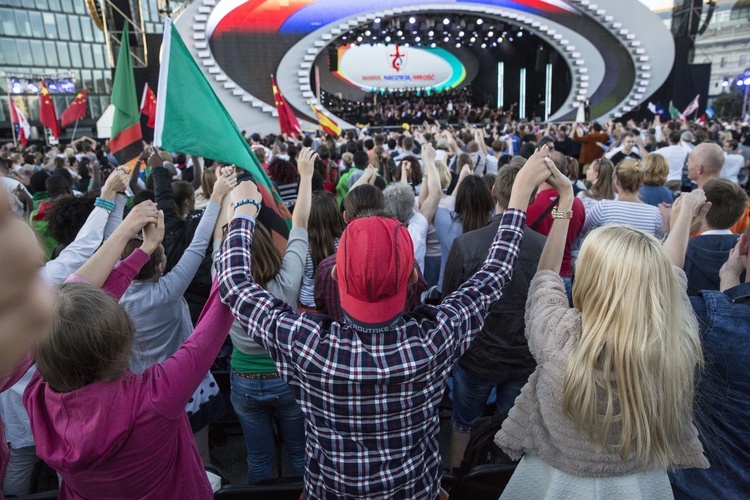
x,y
705,162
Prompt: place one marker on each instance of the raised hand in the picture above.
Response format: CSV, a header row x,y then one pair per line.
x,y
142,214
117,181
306,162
428,153
246,190
537,168
226,180
153,234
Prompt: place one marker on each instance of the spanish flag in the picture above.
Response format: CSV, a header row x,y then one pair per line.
x,y
329,126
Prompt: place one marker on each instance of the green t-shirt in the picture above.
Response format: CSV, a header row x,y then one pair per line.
x,y
252,363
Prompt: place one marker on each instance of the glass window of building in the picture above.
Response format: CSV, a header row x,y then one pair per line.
x,y
67,6
8,23
32,106
88,60
75,28
99,82
49,25
37,25
54,5
42,5
10,51
22,21
88,35
87,80
95,107
37,52
98,35
24,52
75,55
62,27
79,6
105,101
4,109
63,55
98,56
51,52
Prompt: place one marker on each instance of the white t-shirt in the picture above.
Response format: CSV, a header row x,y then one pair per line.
x,y
418,231
676,157
733,163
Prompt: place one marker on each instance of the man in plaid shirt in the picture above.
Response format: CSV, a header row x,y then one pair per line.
x,y
369,387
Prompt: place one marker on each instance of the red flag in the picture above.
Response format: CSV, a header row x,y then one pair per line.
x,y
47,113
287,121
19,122
702,120
148,106
76,110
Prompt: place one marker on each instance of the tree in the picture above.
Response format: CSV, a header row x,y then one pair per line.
x,y
729,104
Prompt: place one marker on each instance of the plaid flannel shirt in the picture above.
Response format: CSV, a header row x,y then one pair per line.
x,y
370,395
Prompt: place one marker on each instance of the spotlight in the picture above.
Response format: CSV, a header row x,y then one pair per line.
x,y
399,33
484,45
747,81
490,33
417,39
520,33
412,20
460,33
53,86
359,38
446,39
31,87
458,45
480,21
368,33
17,87
473,39
377,20
510,38
387,39
739,83
446,21
500,40
430,33
725,83
432,45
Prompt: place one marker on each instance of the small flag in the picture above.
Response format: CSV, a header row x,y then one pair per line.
x,y
188,112
287,121
125,141
47,113
692,107
710,113
329,126
652,107
76,110
20,124
674,113
148,106
702,120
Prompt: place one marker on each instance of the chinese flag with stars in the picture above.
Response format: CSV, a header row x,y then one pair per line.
x,y
76,110
47,113
287,121
148,106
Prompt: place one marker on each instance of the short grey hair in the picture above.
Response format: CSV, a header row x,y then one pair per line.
x,y
399,201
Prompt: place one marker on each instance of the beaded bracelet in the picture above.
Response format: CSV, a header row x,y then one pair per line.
x,y
105,204
248,201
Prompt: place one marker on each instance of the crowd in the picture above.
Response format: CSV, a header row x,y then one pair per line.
x,y
414,107
588,282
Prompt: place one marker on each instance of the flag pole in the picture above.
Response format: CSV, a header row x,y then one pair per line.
x,y
74,131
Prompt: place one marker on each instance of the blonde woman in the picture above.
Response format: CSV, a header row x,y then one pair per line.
x,y
655,172
628,207
608,410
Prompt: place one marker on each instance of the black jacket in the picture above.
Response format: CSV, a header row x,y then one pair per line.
x,y
500,352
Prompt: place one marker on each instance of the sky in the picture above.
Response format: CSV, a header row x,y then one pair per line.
x,y
658,5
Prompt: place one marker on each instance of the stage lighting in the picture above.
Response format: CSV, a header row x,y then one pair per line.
x,y
446,39
368,33
399,33
359,38
17,87
739,83
412,20
377,20
484,45
387,39
53,87
458,45
430,33
480,21
460,33
473,39
747,81
417,39
520,33
490,33
446,21
432,45
31,87
510,38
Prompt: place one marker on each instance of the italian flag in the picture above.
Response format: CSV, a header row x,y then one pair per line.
x,y
125,143
190,119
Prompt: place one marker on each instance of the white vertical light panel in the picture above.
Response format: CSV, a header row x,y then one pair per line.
x,y
500,84
548,92
522,96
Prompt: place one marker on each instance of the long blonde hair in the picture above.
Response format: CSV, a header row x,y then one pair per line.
x,y
630,377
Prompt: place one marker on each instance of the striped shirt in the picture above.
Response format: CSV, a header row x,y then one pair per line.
x,y
641,216
288,193
369,393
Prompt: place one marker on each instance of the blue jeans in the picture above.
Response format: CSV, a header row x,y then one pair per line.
x,y
470,394
431,271
256,402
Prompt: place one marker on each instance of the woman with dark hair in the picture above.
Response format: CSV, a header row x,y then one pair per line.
x,y
323,231
258,392
473,208
84,171
410,171
284,174
327,168
600,178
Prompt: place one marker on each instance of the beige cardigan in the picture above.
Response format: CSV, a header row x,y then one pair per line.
x,y
536,424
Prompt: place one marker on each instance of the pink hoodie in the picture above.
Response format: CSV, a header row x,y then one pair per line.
x,y
130,438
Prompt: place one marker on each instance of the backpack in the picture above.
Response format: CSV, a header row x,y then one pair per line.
x,y
485,469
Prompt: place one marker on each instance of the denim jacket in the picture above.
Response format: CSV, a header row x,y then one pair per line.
x,y
722,400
